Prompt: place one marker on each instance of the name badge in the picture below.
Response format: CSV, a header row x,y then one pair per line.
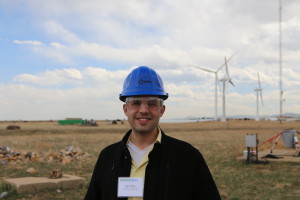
x,y
130,187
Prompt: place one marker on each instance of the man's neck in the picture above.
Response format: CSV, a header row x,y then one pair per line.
x,y
143,140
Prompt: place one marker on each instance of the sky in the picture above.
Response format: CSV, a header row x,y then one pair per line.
x,y
69,58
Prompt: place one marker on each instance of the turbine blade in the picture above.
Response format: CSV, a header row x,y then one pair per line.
x,y
261,98
227,61
231,83
226,85
226,67
202,69
220,67
218,83
258,80
232,56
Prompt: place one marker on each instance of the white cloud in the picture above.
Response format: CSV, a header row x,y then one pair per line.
x,y
23,102
30,42
58,31
166,35
172,34
56,45
93,93
56,77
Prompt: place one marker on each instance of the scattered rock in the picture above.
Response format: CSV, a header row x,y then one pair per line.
x,y
3,195
64,156
31,170
66,160
4,162
56,173
4,150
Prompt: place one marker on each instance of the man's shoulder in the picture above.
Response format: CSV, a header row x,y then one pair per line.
x,y
177,144
112,148
184,151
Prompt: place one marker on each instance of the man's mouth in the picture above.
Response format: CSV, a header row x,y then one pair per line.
x,y
143,119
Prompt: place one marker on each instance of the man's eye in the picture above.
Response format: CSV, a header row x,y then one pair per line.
x,y
152,103
136,103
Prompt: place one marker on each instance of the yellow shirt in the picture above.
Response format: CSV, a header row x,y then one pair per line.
x,y
138,171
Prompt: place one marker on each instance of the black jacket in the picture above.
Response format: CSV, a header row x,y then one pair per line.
x,y
176,171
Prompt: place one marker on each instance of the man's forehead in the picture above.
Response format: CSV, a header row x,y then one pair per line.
x,y
143,97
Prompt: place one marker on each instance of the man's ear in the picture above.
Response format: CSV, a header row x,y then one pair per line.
x,y
162,110
125,109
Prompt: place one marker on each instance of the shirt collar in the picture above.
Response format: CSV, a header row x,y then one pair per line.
x,y
158,139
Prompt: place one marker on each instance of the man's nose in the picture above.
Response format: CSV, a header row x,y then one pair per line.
x,y
144,107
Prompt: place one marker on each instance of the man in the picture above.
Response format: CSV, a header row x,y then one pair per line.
x,y
147,164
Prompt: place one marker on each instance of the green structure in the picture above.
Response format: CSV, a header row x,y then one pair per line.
x,y
71,122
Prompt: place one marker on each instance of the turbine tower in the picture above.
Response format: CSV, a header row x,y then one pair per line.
x,y
258,93
216,83
224,80
216,87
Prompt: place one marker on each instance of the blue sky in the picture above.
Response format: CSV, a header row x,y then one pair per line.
x,y
69,58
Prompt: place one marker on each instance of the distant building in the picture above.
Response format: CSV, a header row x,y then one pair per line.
x,y
71,121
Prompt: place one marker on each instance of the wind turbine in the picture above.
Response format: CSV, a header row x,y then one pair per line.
x,y
258,93
216,83
224,80
216,87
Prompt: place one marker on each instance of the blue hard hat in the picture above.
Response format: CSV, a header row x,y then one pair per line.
x,y
143,81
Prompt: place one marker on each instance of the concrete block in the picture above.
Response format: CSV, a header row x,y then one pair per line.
x,y
32,184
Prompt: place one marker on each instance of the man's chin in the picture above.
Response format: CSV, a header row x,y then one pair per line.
x,y
144,130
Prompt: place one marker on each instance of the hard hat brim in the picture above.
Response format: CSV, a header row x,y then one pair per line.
x,y
163,97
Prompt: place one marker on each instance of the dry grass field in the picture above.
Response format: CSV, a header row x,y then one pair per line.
x,y
220,143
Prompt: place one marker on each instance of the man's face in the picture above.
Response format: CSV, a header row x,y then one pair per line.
x,y
143,113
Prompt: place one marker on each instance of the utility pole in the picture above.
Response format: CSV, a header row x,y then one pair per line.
x,y
280,66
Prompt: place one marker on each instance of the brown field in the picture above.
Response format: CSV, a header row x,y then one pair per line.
x,y
220,143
